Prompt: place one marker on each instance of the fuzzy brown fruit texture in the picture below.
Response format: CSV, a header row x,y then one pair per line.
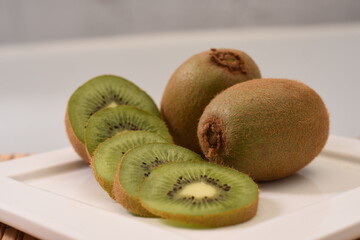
x,y
266,128
130,203
78,146
194,83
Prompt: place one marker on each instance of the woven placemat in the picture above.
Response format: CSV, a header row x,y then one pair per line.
x,y
8,232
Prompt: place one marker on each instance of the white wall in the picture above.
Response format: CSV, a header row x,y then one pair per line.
x,y
42,20
36,80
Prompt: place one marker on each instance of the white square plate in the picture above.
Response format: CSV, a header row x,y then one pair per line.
x,y
54,196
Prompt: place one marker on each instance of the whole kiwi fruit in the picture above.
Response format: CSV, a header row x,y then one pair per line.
x,y
195,83
267,128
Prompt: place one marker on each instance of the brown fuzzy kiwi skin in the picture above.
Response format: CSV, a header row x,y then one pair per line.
x,y
105,184
78,146
191,87
266,128
130,203
223,219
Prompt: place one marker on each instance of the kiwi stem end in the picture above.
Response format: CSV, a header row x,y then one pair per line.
x,y
212,137
228,59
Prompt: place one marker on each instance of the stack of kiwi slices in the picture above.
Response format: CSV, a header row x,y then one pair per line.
x,y
217,106
116,127
117,104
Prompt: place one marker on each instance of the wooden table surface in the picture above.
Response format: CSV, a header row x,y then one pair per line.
x,y
8,232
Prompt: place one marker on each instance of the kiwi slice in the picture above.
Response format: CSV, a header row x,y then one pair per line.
x,y
109,121
200,193
98,93
108,154
137,164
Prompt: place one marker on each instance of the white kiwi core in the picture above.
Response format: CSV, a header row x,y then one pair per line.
x,y
198,190
112,104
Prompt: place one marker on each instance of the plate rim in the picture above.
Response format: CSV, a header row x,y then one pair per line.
x,y
16,211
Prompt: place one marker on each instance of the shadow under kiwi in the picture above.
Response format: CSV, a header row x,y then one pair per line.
x,y
294,184
179,224
267,209
50,171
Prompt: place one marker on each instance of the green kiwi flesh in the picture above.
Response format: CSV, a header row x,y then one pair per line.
x,y
138,163
194,83
200,193
109,121
267,128
108,154
98,93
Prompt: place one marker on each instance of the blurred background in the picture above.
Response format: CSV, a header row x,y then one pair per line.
x,y
41,20
49,48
